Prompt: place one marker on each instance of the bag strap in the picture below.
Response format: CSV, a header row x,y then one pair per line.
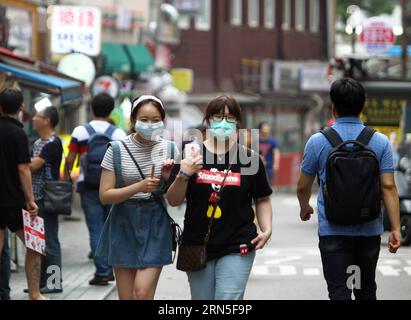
x,y
89,129
134,160
365,136
117,164
332,136
110,130
215,204
154,195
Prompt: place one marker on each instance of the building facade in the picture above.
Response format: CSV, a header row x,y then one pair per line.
x,y
217,43
256,47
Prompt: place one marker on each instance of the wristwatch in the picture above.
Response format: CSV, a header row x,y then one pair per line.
x,y
184,175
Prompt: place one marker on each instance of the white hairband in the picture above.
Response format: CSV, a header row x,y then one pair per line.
x,y
144,98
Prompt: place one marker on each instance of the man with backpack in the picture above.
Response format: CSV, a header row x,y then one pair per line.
x,y
90,142
355,169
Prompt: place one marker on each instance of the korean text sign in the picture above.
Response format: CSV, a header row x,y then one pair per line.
x,y
76,29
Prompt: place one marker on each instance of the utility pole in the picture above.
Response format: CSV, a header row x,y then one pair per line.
x,y
404,39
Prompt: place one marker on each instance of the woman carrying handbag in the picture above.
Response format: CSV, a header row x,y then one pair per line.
x,y
220,184
137,237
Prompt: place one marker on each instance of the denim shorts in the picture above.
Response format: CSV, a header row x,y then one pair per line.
x,y
136,235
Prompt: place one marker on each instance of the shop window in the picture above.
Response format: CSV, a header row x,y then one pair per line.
x,y
269,14
236,12
286,15
300,15
253,13
184,22
20,31
203,20
288,130
314,15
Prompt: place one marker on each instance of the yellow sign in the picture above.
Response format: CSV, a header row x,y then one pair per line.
x,y
383,112
183,79
385,116
65,139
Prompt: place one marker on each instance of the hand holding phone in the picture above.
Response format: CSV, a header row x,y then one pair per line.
x,y
191,150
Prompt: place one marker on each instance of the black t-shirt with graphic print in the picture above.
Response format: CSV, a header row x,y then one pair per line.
x,y
234,224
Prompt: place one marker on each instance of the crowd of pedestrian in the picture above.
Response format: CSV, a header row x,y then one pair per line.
x,y
125,179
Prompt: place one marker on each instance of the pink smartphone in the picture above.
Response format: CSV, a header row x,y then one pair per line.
x,y
190,149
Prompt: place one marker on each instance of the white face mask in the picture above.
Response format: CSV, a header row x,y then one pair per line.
x,y
146,130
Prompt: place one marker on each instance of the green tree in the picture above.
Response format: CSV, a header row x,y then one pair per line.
x,y
373,7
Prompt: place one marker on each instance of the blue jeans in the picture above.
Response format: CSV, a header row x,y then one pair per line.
x,y
223,279
53,248
96,214
5,269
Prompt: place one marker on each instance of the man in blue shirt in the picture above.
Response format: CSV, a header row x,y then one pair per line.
x,y
269,150
342,247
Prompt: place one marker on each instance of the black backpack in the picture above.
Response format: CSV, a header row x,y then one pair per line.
x,y
352,188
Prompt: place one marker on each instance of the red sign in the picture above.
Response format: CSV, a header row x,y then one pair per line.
x,y
216,177
377,35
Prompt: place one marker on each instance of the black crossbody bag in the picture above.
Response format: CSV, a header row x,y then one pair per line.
x,y
176,231
58,195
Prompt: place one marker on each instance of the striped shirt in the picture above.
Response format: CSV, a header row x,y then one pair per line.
x,y
145,154
50,151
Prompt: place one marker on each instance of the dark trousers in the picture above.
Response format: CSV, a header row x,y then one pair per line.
x,y
53,249
96,215
343,258
5,269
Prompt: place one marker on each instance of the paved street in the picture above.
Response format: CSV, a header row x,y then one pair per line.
x,y
288,268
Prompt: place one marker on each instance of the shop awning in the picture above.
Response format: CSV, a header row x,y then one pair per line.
x,y
67,89
116,58
140,57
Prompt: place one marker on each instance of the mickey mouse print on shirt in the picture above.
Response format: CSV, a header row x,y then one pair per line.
x,y
214,177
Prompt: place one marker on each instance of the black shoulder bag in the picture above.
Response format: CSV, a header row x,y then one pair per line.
x,y
176,231
58,195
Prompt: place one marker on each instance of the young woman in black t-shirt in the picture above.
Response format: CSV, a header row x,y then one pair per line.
x,y
234,238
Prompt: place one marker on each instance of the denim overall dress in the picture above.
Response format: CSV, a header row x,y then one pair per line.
x,y
137,233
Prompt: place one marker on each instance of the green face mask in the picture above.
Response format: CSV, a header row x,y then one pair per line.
x,y
222,130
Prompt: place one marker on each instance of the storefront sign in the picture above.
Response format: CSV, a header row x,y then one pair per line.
x,y
183,79
377,35
105,84
314,77
385,116
383,112
76,29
